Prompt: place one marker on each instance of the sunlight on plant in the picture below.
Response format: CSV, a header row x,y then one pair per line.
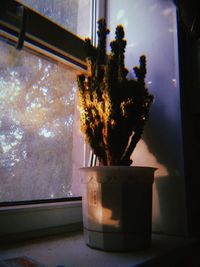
x,y
113,109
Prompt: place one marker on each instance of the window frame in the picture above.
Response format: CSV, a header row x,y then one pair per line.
x,y
41,35
25,219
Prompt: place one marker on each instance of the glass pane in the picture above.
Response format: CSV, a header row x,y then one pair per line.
x,y
38,135
71,14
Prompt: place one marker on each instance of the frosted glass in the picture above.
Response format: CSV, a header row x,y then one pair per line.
x,y
71,14
37,128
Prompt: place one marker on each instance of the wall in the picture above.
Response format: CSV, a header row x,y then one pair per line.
x,y
189,49
150,28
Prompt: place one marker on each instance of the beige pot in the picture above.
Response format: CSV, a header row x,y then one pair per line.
x,y
117,207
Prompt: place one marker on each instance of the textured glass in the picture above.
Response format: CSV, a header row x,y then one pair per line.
x,y
37,107
71,14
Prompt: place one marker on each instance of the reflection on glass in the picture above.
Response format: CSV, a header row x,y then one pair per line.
x,y
37,105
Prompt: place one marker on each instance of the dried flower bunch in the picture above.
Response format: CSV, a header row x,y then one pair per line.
x,y
113,109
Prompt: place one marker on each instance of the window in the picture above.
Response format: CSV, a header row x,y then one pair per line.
x,y
37,130
39,140
39,158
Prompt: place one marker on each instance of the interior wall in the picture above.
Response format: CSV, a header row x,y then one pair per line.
x,y
151,29
189,49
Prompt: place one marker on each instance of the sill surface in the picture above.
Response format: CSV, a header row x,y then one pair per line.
x,y
28,218
69,250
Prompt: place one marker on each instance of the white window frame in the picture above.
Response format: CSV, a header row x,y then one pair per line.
x,y
26,220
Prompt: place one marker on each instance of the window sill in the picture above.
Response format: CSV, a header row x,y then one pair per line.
x,y
25,221
69,249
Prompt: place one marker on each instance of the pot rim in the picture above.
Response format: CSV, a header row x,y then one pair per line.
x,y
111,168
118,174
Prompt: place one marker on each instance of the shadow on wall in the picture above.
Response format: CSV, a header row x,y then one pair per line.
x,y
169,209
171,198
151,29
163,138
162,147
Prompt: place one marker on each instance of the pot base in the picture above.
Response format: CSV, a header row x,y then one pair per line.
x,y
116,241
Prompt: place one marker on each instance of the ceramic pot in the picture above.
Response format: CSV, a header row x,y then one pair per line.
x,y
117,207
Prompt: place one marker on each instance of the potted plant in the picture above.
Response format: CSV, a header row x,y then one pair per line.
x,y
117,197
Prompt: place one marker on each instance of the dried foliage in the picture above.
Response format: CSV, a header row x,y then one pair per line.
x,y
113,109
